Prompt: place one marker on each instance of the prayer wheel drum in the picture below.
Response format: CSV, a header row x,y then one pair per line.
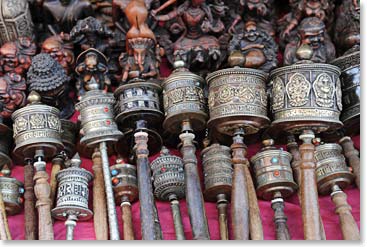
x,y
136,101
12,191
273,172
306,96
331,168
168,176
6,143
351,89
124,182
183,99
37,126
72,194
69,136
217,167
237,98
97,118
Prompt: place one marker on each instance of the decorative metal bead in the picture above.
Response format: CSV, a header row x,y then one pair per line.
x,y
237,98
73,193
331,168
273,172
97,118
217,166
12,191
127,186
168,176
37,125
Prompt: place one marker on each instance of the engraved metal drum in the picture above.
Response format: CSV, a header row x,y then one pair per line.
x,y
273,173
6,143
183,98
351,89
306,96
97,118
217,167
124,183
12,191
168,176
331,168
69,136
37,126
72,194
237,98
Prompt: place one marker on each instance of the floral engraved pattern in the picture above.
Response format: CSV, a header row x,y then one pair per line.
x,y
237,94
20,125
339,94
298,89
278,94
53,122
324,90
37,121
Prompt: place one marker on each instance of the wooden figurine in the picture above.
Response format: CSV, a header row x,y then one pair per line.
x,y
99,129
103,11
333,176
37,135
125,187
274,181
185,113
72,196
169,185
49,79
217,168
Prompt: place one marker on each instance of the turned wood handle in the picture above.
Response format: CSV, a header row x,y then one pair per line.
x,y
42,191
99,199
57,163
30,216
177,220
308,188
127,221
4,227
222,218
239,197
256,228
352,156
194,195
348,225
280,220
150,227
292,147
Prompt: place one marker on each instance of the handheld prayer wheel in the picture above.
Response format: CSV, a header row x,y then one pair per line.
x,y
186,112
217,167
169,185
333,176
98,127
306,99
238,107
37,134
72,196
11,200
274,181
125,187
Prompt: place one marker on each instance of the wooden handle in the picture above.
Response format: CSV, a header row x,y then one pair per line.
x,y
240,201
352,156
150,228
30,216
308,188
292,147
222,218
127,221
4,227
280,220
256,228
99,199
42,191
57,163
177,221
348,225
194,195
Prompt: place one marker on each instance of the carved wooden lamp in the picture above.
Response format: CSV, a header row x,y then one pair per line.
x,y
125,187
169,185
217,167
37,134
238,107
72,196
333,176
274,181
186,113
